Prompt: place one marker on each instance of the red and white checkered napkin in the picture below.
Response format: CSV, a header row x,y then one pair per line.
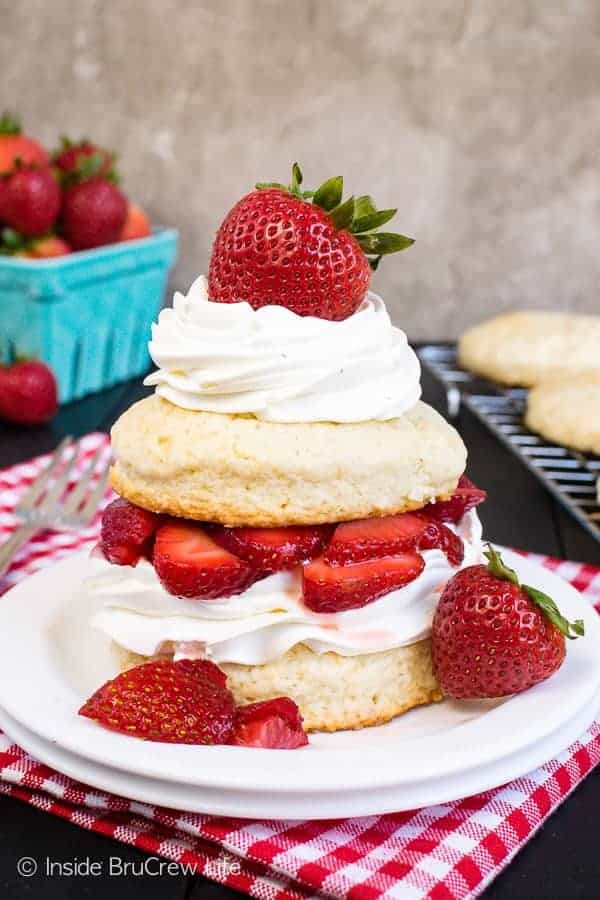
x,y
442,852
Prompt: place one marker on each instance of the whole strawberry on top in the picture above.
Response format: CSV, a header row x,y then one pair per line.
x,y
310,251
493,636
14,146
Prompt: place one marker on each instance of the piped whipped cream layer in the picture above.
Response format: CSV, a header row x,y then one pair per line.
x,y
269,618
281,367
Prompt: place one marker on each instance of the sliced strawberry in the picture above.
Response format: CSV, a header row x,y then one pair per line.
x,y
184,702
465,497
190,564
127,532
366,539
329,589
272,549
274,724
439,537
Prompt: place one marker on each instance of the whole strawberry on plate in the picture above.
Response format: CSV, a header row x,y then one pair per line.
x,y
310,251
493,636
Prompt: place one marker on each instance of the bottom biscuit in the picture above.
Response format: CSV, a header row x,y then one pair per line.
x,y
336,692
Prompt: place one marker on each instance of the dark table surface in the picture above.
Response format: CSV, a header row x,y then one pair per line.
x,y
562,860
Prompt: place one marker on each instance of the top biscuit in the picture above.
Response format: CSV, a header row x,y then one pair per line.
x,y
240,470
525,348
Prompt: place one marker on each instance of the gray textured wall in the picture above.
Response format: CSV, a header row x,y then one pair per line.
x,y
480,120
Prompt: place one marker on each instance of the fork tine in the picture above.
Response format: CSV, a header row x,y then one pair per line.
x,y
76,496
36,488
47,507
93,501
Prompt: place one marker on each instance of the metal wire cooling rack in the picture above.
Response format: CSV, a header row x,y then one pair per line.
x,y
569,475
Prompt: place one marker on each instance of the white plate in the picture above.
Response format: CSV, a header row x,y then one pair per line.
x,y
318,805
51,660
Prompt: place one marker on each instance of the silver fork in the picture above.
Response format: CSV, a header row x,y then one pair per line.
x,y
46,505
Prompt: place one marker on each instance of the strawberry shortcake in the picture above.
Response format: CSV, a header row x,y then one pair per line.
x,y
289,509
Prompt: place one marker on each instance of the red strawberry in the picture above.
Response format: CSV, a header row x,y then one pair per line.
x,y
330,589
190,564
47,247
465,497
492,636
184,702
273,724
72,154
277,247
365,539
16,146
28,393
272,549
137,224
127,532
439,537
93,213
30,200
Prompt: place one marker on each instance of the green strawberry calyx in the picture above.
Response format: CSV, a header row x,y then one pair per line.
x,y
358,215
9,125
498,568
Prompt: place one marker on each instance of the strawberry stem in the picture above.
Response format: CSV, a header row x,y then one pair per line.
x,y
498,568
9,124
357,215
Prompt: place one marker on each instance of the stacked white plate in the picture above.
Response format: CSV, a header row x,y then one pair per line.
x,y
51,660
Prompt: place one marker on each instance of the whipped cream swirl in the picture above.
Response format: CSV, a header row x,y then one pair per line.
x,y
269,618
281,367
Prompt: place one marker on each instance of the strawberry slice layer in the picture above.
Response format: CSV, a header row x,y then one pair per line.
x,y
183,702
465,497
272,549
190,564
369,539
332,589
274,724
127,532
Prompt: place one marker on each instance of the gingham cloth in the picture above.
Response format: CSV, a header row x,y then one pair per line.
x,y
442,852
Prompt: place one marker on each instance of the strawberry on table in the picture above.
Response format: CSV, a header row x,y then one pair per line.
x,y
272,549
30,200
465,497
28,392
137,224
272,724
365,539
332,589
189,563
127,532
184,702
309,251
14,146
492,636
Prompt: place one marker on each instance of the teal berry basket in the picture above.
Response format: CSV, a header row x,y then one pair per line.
x,y
88,314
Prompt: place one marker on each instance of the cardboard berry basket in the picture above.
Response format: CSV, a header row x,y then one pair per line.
x,y
87,314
